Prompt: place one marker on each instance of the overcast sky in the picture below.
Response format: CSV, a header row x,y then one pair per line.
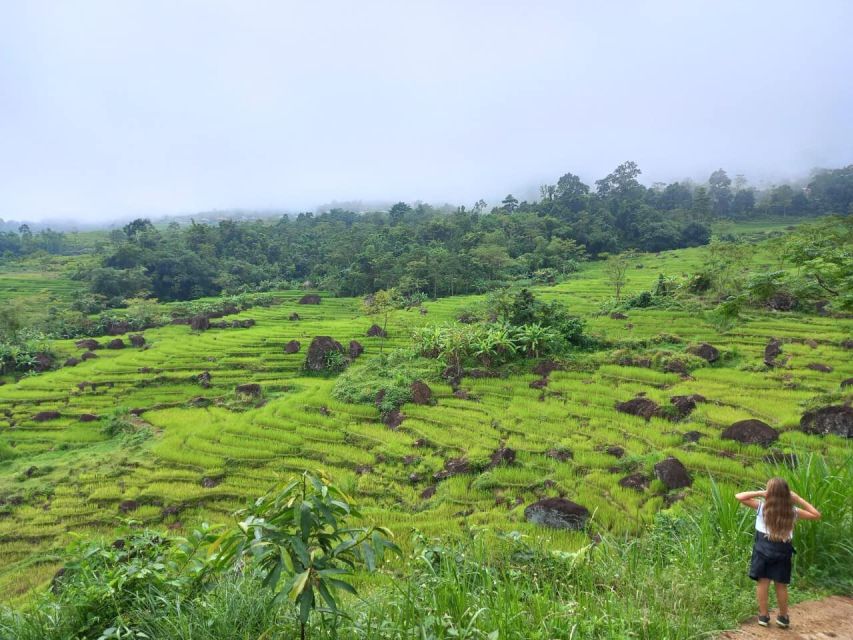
x,y
115,108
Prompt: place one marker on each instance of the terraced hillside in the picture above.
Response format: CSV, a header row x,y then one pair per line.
x,y
199,449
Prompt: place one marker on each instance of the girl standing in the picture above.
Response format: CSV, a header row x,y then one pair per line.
x,y
778,508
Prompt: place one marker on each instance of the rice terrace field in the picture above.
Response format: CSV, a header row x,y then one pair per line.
x,y
473,455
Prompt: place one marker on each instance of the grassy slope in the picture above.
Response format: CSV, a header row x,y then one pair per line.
x,y
81,476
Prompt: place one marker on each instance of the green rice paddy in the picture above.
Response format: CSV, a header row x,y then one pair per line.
x,y
189,463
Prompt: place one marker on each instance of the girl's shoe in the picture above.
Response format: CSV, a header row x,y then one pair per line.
x,y
763,621
783,622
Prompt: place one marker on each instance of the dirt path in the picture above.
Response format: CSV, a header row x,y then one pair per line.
x,y
815,620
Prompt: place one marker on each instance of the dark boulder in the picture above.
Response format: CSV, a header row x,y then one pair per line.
x,y
672,473
72,362
310,298
292,347
835,419
88,343
557,513
376,331
318,352
464,395
200,323
393,419
635,481
243,324
642,407
819,366
616,315
545,368
782,301
42,362
421,393
772,351
44,416
705,351
355,349
88,417
88,355
204,379
847,383
561,455
751,432
249,389
200,402
684,405
209,482
502,455
453,467
118,343
293,317
693,436
363,469
428,493
676,366
810,343
118,327
847,344
541,383
615,451
136,339
128,505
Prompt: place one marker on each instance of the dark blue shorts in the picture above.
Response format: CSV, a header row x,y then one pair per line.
x,y
771,560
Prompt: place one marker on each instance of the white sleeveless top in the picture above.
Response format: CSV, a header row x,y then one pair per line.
x,y
761,527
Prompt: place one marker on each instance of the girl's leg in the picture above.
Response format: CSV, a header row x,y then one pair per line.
x,y
782,598
762,591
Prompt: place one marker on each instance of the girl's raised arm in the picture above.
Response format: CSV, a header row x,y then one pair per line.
x,y
807,511
748,498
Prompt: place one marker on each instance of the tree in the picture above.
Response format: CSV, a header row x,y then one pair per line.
x,y
832,190
743,203
701,204
616,269
510,203
398,212
721,193
622,182
382,303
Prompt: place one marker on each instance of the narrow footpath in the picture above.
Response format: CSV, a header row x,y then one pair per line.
x,y
814,620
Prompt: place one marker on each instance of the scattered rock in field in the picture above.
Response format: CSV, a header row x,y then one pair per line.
x,y
638,406
208,482
705,351
88,417
635,481
779,457
464,395
171,510
835,419
145,370
200,323
847,344
88,355
685,405
782,301
676,366
421,393
376,331
502,455
294,317
355,349
557,513
137,339
616,315
363,469
205,379
118,343
483,373
249,389
539,384
72,362
128,505
44,416
453,467
245,323
693,436
466,318
200,402
380,397
310,298
751,432
292,347
672,498
672,473
423,311
393,419
847,383
420,442
772,351
88,343
180,320
545,367
429,492
410,460
819,366
616,452
42,362
318,352
811,343
31,471
138,411
562,455
324,410
415,477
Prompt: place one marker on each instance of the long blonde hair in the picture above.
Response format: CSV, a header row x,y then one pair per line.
x,y
778,510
